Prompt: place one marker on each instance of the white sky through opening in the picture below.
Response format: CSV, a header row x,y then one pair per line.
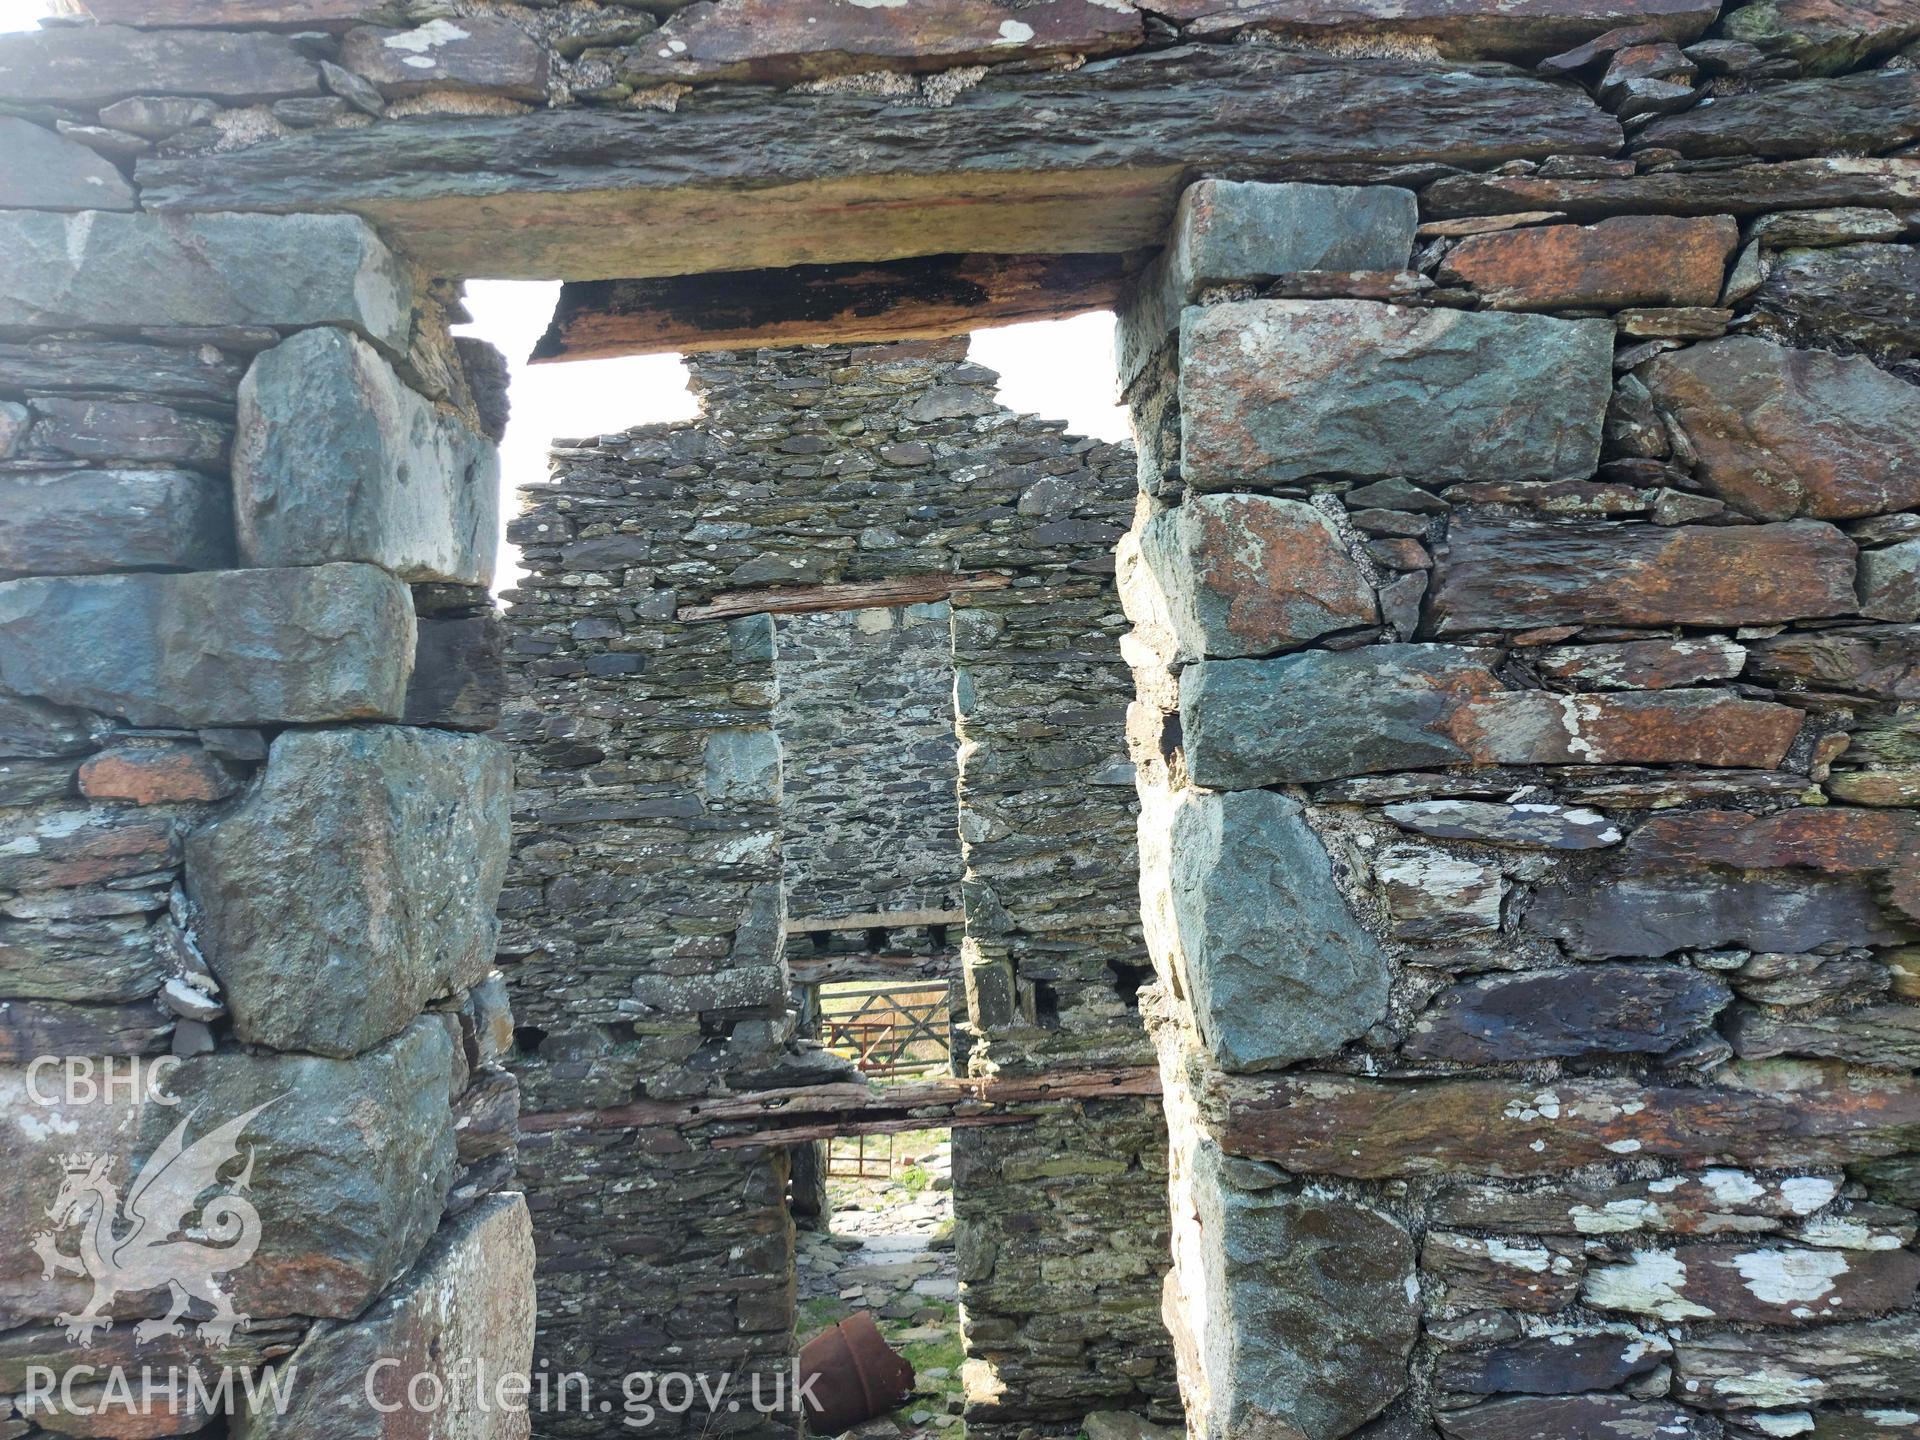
x,y
1060,370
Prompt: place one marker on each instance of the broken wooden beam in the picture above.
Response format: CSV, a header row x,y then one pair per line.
x,y
842,595
1051,162
924,298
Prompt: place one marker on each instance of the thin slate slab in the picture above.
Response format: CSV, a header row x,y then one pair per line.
x,y
1477,29
80,522
89,66
773,41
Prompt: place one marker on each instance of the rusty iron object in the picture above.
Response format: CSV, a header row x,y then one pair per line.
x,y
849,1374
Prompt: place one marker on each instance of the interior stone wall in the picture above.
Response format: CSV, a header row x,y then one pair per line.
x,y
865,718
1520,676
653,804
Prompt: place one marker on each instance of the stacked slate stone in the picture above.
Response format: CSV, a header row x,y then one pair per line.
x,y
247,826
865,719
1525,745
644,909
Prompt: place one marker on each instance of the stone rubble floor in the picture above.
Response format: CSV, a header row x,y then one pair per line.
x,y
890,1251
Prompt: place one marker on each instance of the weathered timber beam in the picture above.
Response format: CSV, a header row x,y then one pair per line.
x,y
850,1108
925,298
884,969
1072,162
845,595
846,1129
877,920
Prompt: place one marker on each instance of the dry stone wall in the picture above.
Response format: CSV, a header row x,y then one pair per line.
x,y
1521,673
655,803
251,852
870,823
1520,609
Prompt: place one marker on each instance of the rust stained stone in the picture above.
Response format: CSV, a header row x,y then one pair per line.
x,y
1784,432
1883,662
780,42
1493,29
1779,1114
1519,574
1632,260
1237,575
1673,727
1835,841
155,775
1768,1285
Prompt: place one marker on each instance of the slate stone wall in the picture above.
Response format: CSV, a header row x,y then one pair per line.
x,y
865,717
1522,669
656,804
249,830
1540,636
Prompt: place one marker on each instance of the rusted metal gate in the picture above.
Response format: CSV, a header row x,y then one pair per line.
x,y
890,1030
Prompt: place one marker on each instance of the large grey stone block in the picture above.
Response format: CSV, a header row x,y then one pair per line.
x,y
221,647
98,271
90,65
352,1160
1274,391
82,521
45,171
1239,904
1239,575
1293,1310
336,458
464,1312
357,882
1231,231
1325,715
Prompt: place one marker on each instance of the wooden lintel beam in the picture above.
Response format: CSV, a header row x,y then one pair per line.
x,y
845,595
846,1129
853,1108
1026,162
883,969
876,920
925,298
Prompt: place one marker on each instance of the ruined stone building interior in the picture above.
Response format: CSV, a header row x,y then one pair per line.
x,y
1384,906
